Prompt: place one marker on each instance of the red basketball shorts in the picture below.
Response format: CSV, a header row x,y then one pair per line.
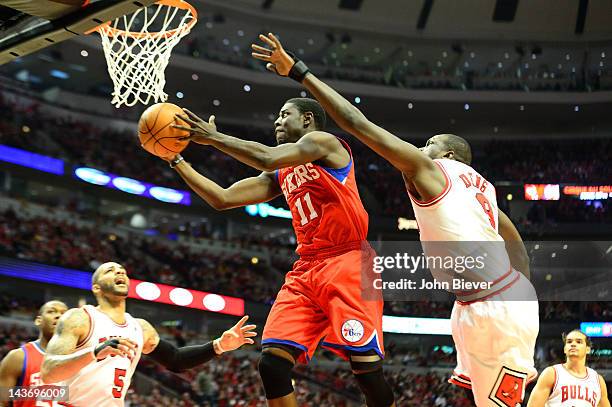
x,y
322,299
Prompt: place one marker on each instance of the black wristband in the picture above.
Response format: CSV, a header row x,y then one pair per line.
x,y
113,343
299,69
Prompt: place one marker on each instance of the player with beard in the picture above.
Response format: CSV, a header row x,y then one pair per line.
x,y
95,350
21,366
321,297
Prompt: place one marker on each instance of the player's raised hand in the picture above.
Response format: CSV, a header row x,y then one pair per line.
x,y
278,60
237,336
200,131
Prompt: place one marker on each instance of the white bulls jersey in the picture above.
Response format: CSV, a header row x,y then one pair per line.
x,y
572,391
104,383
494,339
463,221
466,210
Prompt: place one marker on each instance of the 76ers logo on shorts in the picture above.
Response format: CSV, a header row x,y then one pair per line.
x,y
352,330
509,389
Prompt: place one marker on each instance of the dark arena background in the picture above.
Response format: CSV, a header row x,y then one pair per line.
x,y
527,82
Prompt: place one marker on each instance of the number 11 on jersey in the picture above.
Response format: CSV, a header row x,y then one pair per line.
x,y
313,214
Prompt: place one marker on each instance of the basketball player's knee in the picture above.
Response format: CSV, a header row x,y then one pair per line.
x,y
367,368
364,362
275,373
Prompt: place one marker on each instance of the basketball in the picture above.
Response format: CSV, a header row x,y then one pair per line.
x,y
419,197
156,134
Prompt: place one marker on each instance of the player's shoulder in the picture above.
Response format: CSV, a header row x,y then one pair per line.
x,y
595,374
320,137
15,356
76,319
454,164
148,329
548,376
144,324
74,315
149,334
12,364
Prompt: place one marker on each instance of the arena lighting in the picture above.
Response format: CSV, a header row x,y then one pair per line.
x,y
129,185
92,176
56,73
265,209
406,224
597,329
140,290
577,190
184,297
132,186
31,160
594,196
542,192
418,326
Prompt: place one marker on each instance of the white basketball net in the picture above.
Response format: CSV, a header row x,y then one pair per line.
x,y
137,57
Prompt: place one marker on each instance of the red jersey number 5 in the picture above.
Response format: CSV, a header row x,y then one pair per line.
x,y
118,389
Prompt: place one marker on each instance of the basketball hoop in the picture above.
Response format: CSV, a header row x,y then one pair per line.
x,y
138,47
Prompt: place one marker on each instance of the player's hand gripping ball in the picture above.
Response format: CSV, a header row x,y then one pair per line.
x,y
156,133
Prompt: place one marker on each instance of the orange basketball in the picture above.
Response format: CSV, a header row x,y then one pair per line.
x,y
156,134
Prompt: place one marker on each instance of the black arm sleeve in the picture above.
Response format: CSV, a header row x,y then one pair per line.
x,y
179,359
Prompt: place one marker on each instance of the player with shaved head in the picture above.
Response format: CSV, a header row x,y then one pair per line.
x,y
95,350
21,366
494,333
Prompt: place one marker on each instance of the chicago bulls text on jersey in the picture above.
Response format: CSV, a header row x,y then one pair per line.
x,y
105,382
572,391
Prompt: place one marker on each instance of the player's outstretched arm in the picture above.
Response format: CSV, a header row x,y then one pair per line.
x,y
10,370
62,361
402,155
542,389
313,146
188,357
244,192
519,259
605,401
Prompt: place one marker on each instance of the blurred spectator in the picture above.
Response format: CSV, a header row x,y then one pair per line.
x,y
62,243
499,160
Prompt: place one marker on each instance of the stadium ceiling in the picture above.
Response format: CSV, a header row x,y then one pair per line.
x,y
220,87
259,106
558,20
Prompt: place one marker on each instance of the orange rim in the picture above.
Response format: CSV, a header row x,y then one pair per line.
x,y
111,31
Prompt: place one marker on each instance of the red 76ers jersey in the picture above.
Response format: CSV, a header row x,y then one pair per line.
x,y
30,376
325,206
